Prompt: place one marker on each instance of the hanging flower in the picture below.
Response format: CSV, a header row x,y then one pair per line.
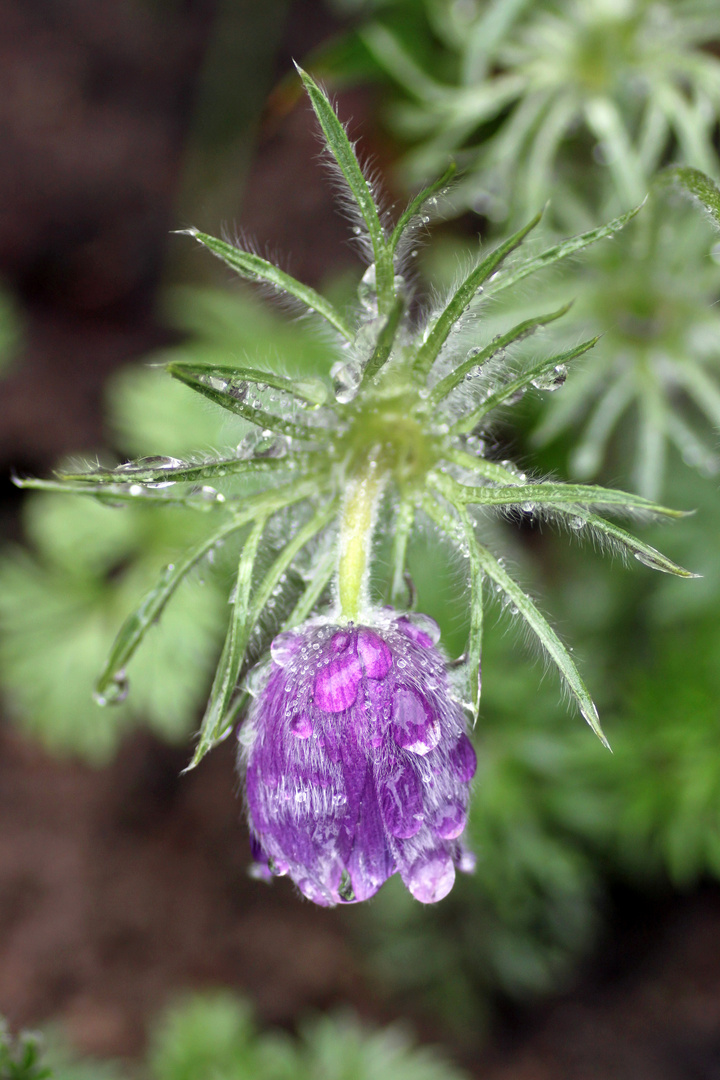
x,y
357,760
358,763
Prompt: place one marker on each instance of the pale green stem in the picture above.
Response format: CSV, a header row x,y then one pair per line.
x,y
356,527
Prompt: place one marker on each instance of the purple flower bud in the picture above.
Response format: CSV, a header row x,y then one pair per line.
x,y
357,762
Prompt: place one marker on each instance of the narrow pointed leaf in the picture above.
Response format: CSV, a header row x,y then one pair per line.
x,y
150,609
385,341
517,333
644,553
416,204
220,711
537,622
166,470
231,658
489,470
696,184
463,296
560,251
402,529
310,596
532,375
152,605
216,383
549,494
130,493
474,649
254,268
342,150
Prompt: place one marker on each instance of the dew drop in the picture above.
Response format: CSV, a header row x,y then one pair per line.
x,y
115,692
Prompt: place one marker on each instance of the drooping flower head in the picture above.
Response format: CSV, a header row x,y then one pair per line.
x,y
357,762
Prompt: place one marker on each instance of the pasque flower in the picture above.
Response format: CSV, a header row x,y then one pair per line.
x,y
358,763
357,760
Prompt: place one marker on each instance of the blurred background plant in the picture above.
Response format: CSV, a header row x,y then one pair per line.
x,y
215,1036
575,100
556,822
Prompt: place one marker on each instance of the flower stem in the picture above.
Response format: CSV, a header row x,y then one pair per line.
x,y
356,527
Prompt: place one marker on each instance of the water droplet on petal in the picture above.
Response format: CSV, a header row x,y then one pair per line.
x,y
463,759
414,727
420,628
314,892
301,726
449,821
431,878
374,654
336,686
284,647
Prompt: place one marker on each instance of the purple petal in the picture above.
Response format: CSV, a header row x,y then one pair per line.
x,y
374,653
336,686
431,877
401,801
370,863
463,759
414,727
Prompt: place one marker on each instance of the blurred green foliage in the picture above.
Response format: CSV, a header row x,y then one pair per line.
x,y
579,99
215,1037
10,330
20,1058
59,614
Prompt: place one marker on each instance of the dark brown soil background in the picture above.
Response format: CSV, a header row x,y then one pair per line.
x,y
119,888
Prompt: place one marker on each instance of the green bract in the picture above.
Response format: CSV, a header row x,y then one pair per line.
x,y
396,437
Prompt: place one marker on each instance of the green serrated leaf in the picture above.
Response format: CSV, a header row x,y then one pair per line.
x,y
254,268
216,383
515,386
342,150
517,333
489,470
463,296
